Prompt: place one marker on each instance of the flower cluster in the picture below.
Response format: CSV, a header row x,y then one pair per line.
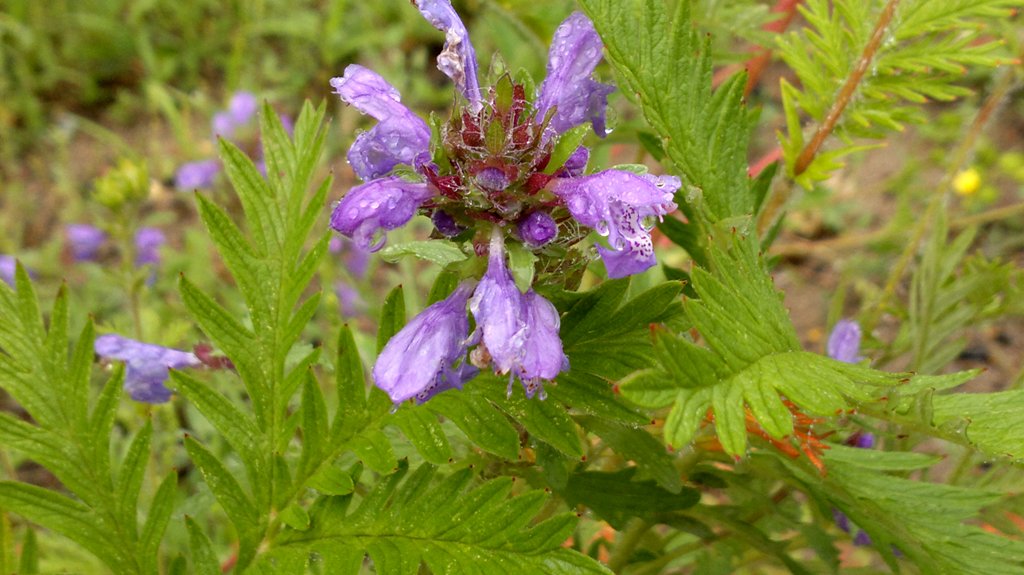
x,y
489,179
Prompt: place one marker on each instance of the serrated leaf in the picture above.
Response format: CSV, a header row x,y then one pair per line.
x,y
392,316
616,497
425,433
374,449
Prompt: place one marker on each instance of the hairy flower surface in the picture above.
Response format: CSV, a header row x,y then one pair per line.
x,y
148,365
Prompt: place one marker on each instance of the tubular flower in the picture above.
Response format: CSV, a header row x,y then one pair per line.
x,y
428,355
490,174
148,365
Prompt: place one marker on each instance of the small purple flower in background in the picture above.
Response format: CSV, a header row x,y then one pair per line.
x,y
84,241
225,124
148,242
8,268
488,176
241,110
197,175
428,355
349,300
148,365
844,342
356,259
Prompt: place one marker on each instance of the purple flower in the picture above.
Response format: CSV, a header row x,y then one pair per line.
x,y
355,258
241,110
568,87
8,267
520,332
458,59
349,300
377,206
428,355
148,242
577,163
446,224
538,229
196,175
844,342
615,203
148,365
400,137
497,306
862,440
542,357
84,240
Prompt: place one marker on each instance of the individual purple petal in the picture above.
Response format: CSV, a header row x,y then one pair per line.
x,y
400,137
576,164
862,539
492,179
428,355
458,59
84,240
196,175
537,229
542,357
148,242
8,267
569,87
497,306
377,206
844,342
615,203
148,365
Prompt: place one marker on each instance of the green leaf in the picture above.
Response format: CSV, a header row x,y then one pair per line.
x,y
521,262
660,59
131,474
424,432
330,480
617,498
442,525
640,447
567,143
156,521
204,562
237,505
374,449
28,563
482,424
295,517
392,317
440,252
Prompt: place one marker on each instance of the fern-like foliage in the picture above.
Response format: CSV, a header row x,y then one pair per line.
x,y
448,524
924,522
663,63
865,66
72,440
752,357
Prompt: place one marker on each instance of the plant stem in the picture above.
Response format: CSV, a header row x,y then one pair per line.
x,y
853,241
846,93
780,196
1002,89
631,536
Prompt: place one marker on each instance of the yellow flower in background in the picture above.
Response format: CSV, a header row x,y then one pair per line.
x,y
967,182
